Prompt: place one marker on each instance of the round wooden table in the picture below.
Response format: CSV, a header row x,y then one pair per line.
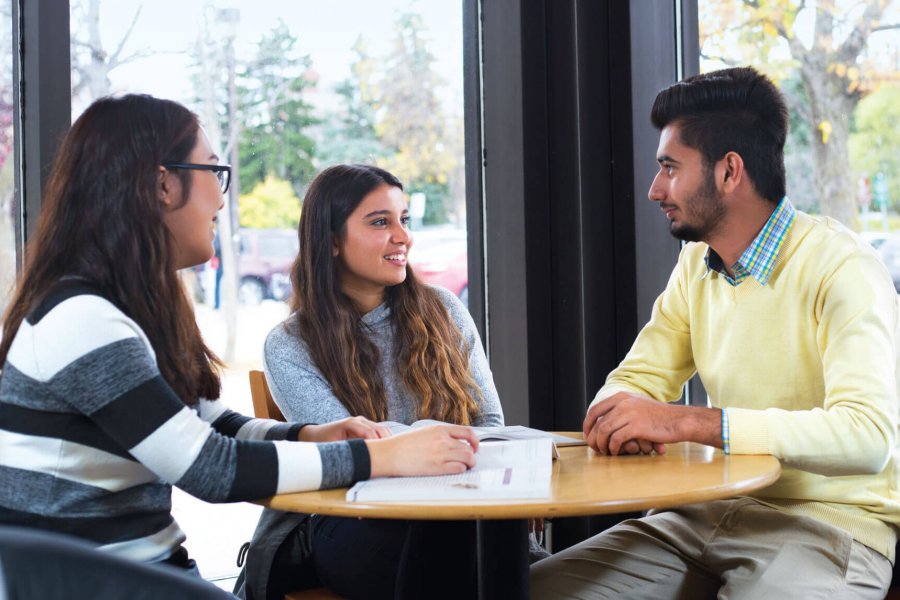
x,y
584,483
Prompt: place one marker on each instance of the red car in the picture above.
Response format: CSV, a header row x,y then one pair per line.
x,y
440,257
266,256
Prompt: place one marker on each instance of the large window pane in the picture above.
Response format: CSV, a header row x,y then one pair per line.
x,y
838,64
285,89
9,201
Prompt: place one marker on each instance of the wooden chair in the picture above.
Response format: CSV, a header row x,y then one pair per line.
x,y
264,407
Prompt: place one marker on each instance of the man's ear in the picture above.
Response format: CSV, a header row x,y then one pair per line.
x,y
731,171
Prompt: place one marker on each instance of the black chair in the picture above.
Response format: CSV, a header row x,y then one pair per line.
x,y
39,564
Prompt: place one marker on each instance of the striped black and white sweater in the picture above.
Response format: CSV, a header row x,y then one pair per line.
x,y
92,438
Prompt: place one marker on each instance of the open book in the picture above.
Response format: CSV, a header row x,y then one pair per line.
x,y
510,469
511,432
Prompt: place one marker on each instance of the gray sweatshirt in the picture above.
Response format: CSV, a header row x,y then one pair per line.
x,y
305,396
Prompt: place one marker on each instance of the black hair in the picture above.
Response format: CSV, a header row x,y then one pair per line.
x,y
732,110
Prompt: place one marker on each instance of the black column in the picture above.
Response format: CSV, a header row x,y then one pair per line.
x,y
43,97
575,253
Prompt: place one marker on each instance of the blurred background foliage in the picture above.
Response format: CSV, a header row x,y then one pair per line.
x,y
838,63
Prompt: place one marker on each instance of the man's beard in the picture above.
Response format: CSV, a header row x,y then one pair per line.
x,y
705,210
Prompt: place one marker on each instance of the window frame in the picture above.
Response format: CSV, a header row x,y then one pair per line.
x,y
42,102
575,253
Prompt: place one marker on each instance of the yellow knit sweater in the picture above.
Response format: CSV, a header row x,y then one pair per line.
x,y
806,367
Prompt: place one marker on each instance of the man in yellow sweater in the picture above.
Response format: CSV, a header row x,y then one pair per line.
x,y
791,322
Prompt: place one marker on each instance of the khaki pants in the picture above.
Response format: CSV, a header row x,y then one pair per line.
x,y
737,548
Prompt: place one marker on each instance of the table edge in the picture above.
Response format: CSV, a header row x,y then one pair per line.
x,y
515,509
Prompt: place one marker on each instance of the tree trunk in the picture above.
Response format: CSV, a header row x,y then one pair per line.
x,y
831,78
230,254
210,55
97,69
830,112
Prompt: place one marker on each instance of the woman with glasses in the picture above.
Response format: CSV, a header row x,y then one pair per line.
x,y
109,395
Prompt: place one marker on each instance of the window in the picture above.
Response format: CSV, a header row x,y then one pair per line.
x,y
9,199
283,93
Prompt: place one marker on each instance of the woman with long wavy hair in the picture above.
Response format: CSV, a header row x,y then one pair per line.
x,y
109,395
366,338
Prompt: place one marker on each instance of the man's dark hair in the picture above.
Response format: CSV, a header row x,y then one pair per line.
x,y
732,110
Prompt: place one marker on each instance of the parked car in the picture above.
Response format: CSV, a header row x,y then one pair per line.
x,y
875,238
264,264
440,257
890,254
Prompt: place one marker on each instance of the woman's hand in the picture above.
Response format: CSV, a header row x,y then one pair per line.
x,y
345,429
438,450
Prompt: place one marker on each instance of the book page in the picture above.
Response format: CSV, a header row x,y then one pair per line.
x,y
512,469
396,427
519,432
513,453
471,485
509,432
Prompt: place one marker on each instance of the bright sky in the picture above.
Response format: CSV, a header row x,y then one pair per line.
x,y
326,30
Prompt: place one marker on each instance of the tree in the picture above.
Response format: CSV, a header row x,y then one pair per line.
x,y
411,120
274,138
92,62
349,135
271,204
213,80
831,66
798,154
875,141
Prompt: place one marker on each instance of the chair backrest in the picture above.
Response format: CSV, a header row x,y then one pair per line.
x,y
264,406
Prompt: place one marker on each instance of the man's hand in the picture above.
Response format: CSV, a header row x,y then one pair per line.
x,y
345,429
627,423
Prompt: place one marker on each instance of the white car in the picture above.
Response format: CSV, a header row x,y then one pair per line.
x,y
875,238
889,249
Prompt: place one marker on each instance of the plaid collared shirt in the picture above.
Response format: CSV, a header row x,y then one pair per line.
x,y
759,257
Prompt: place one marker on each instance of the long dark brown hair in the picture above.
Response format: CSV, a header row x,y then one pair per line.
x,y
432,356
102,221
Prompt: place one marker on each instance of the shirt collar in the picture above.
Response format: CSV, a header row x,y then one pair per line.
x,y
758,259
378,315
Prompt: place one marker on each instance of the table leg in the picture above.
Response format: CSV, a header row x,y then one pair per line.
x,y
503,560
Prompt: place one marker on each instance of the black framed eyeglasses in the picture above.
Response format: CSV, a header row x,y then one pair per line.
x,y
223,172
